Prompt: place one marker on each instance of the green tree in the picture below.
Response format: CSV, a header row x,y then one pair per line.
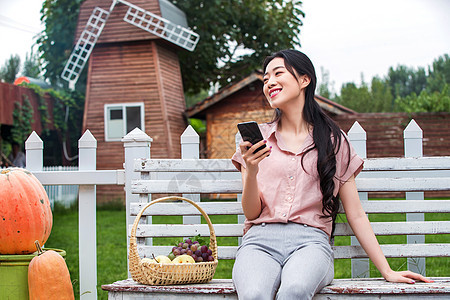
x,y
31,66
9,70
377,98
323,88
56,40
356,98
381,96
404,80
194,99
426,101
439,74
227,27
22,120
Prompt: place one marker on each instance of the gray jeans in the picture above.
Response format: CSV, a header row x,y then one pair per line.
x,y
283,261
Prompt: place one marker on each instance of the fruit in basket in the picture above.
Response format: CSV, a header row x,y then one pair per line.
x,y
25,213
183,259
192,247
163,259
147,260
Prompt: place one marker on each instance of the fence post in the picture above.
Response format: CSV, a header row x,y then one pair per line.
x,y
190,149
413,135
358,138
34,152
137,145
87,234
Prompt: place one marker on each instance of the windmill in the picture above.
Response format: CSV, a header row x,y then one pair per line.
x,y
134,76
136,16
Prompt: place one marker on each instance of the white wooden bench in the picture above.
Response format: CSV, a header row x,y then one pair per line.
x,y
191,177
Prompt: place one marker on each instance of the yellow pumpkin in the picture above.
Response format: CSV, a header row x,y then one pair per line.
x,y
48,277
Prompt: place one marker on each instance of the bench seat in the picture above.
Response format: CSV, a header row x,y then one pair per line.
x,y
375,288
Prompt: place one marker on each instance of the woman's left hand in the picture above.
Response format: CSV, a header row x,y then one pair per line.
x,y
406,277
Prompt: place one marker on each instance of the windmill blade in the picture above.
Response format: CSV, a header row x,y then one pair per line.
x,y
84,46
161,27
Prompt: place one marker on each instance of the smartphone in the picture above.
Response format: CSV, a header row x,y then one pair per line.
x,y
250,132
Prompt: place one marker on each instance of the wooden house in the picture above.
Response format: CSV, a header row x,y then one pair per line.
x,y
134,80
240,102
20,98
12,95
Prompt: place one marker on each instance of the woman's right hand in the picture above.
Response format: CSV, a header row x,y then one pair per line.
x,y
251,158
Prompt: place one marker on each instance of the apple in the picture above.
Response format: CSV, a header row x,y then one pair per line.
x,y
147,260
163,259
183,259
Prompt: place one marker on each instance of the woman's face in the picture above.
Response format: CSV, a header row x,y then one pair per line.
x,y
280,86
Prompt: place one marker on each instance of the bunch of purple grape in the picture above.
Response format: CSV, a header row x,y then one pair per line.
x,y
200,253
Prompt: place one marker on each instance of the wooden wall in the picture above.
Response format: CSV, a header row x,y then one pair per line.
x,y
385,132
172,97
135,72
248,104
10,93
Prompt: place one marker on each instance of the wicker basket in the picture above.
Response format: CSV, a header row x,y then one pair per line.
x,y
165,274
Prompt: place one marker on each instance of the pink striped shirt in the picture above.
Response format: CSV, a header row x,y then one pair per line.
x,y
287,192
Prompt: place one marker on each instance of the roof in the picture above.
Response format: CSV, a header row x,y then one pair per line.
x,y
200,108
116,29
36,81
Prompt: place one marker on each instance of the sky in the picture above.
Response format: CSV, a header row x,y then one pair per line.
x,y
350,37
343,37
19,24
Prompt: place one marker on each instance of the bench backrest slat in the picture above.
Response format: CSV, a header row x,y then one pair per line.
x,y
218,207
340,252
184,165
186,186
220,176
342,229
407,163
229,186
225,165
395,250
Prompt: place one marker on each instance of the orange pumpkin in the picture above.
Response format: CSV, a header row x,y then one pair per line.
x,y
48,277
25,213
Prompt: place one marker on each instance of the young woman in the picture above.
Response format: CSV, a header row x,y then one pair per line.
x,y
291,192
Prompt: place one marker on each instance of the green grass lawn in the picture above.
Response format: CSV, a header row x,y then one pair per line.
x,y
111,245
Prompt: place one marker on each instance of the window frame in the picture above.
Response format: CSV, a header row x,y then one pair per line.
x,y
124,117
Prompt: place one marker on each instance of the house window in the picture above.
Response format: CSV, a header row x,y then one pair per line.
x,y
120,119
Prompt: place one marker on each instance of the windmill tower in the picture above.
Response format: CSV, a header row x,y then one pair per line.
x,y
134,77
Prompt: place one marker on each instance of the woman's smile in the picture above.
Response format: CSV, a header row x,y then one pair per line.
x,y
274,92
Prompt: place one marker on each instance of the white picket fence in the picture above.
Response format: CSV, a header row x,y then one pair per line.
x,y
137,145
62,194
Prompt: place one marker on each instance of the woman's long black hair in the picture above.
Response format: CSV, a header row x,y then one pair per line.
x,y
326,133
